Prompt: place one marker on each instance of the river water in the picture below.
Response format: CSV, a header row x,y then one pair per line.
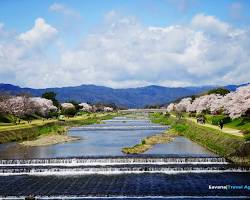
x,y
106,139
95,168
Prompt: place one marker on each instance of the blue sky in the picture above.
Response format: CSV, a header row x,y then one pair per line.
x,y
124,43
19,15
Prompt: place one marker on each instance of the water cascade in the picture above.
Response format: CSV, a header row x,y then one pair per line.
x,y
117,165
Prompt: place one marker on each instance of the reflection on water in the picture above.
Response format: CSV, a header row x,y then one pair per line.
x,y
105,142
180,146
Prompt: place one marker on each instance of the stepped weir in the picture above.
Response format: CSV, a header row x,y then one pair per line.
x,y
126,177
117,165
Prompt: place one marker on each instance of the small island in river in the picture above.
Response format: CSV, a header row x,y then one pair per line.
x,y
45,140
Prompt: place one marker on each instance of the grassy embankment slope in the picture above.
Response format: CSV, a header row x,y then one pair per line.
x,y
11,133
232,147
226,129
242,125
238,127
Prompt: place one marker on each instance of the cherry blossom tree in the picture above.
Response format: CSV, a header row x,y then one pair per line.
x,y
18,106
3,103
108,109
21,106
68,109
235,104
43,106
67,105
85,107
183,105
203,103
171,107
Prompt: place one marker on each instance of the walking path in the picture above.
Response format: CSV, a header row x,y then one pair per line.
x,y
228,130
224,130
37,122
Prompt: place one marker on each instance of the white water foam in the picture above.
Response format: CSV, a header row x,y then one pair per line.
x,y
112,161
113,172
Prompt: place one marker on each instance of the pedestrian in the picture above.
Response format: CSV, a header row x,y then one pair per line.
x,y
221,124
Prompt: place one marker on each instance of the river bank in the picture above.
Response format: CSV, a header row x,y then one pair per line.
x,y
232,147
49,127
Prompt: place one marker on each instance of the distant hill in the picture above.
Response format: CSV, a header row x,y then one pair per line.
x,y
234,87
130,97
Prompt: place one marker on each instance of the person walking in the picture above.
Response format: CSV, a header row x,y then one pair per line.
x,y
221,124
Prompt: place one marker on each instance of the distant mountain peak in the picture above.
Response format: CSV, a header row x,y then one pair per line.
x,y
130,97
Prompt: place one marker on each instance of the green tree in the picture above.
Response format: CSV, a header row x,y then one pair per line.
x,y
76,104
69,112
221,91
51,96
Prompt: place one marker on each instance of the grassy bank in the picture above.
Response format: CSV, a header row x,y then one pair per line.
x,y
234,148
148,142
36,129
239,126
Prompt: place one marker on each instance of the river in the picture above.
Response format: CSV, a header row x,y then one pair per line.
x,y
94,167
106,139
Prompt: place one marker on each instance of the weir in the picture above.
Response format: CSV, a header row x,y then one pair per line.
x,y
113,160
118,165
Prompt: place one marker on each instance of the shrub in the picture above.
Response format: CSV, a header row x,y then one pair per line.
x,y
5,118
52,114
179,115
216,119
221,91
201,115
180,127
246,132
69,112
167,114
247,137
192,114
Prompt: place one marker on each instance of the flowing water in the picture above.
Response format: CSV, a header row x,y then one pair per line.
x,y
95,168
105,139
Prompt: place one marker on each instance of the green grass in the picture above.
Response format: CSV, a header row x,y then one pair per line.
x,y
242,123
232,147
31,131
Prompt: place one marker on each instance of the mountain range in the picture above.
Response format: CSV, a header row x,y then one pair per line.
x,y
129,97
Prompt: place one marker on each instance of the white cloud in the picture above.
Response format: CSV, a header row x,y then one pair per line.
x,y
209,24
63,9
124,53
40,33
